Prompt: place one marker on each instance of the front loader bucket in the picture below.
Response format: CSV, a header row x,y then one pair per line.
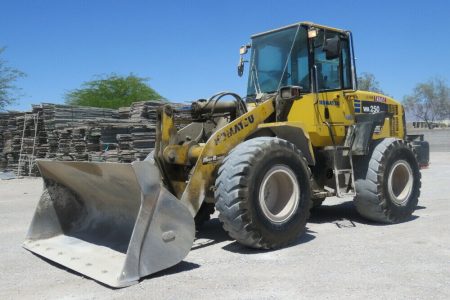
x,y
112,222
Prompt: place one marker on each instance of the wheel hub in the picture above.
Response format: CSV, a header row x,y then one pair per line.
x,y
279,194
400,182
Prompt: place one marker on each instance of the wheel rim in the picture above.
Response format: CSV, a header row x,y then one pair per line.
x,y
400,182
279,194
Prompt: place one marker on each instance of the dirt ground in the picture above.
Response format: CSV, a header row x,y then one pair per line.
x,y
340,256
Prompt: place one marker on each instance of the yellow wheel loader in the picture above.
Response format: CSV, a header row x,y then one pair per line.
x,y
304,132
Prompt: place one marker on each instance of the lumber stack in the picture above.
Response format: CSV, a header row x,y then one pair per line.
x,y
19,139
58,116
64,132
5,139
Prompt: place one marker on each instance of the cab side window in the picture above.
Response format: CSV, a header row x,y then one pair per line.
x,y
332,74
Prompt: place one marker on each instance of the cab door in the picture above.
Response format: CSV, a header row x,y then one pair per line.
x,y
332,77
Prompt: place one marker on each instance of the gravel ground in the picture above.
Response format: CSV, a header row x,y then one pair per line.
x,y
340,256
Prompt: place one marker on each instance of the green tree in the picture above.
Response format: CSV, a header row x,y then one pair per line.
x,y
429,101
8,77
368,82
112,91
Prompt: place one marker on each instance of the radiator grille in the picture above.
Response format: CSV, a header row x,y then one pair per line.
x,y
393,110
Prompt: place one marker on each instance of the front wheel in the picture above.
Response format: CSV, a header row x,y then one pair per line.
x,y
263,193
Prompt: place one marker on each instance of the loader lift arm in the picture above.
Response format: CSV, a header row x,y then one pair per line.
x,y
175,152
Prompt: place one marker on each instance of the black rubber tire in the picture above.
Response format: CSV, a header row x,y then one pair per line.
x,y
372,199
204,214
237,188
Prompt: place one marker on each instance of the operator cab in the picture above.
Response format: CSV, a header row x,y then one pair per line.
x,y
313,57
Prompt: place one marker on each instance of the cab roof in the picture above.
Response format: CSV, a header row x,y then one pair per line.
x,y
306,23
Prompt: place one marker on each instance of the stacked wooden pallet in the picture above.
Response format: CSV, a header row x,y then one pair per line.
x,y
62,132
58,116
124,112
4,117
144,110
19,139
5,139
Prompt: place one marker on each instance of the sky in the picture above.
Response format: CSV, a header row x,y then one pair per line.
x,y
190,49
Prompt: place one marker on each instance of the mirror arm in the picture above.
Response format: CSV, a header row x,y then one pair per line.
x,y
242,51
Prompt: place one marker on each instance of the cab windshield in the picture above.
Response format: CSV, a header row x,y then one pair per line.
x,y
279,59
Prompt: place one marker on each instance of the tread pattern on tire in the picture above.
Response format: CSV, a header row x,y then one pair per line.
x,y
370,199
232,190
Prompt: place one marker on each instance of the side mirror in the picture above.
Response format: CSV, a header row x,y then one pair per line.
x,y
240,67
332,47
242,51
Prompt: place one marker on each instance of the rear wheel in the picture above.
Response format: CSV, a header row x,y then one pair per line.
x,y
263,193
388,182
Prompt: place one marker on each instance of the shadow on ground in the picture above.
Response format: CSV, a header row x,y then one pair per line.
x,y
212,233
178,268
235,247
346,214
343,215
209,234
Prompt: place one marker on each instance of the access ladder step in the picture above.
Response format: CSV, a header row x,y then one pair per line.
x,y
343,171
351,193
